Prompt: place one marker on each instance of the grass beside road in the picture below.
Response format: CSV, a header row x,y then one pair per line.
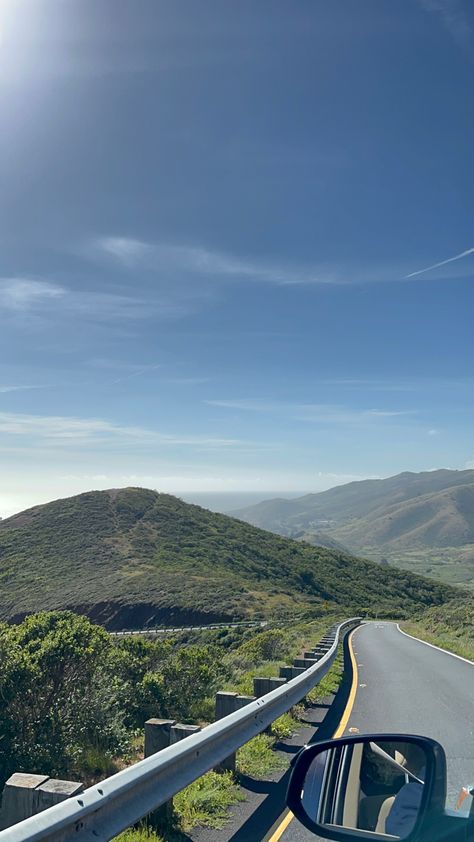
x,y
449,626
444,638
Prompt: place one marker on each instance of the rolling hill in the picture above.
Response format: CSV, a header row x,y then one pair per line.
x,y
420,521
131,557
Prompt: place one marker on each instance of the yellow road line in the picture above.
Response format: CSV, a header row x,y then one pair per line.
x,y
352,695
278,833
281,827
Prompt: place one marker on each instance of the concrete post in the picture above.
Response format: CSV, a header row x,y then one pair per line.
x,y
17,798
305,662
26,795
261,686
266,685
244,700
297,671
53,791
157,735
225,704
180,732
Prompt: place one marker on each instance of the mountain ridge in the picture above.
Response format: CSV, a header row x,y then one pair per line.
x,y
400,515
129,557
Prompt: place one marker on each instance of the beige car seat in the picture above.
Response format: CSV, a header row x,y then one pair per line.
x,y
384,813
413,759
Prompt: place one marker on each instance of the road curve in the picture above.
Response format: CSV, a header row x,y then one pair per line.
x,y
405,685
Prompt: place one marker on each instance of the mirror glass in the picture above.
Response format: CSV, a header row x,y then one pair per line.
x,y
368,786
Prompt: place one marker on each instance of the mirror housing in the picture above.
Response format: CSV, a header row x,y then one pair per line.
x,y
376,786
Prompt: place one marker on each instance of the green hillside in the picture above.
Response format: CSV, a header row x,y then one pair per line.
x,y
422,522
132,556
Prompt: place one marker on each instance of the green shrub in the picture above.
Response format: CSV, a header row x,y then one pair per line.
x,y
284,726
206,801
257,759
142,834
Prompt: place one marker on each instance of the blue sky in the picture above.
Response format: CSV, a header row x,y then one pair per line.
x,y
237,245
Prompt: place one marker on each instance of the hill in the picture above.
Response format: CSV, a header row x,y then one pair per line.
x,y
128,557
421,521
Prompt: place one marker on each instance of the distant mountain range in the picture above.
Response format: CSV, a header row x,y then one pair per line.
x,y
131,557
422,521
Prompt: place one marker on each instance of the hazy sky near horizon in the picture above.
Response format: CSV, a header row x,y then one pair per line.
x,y
237,244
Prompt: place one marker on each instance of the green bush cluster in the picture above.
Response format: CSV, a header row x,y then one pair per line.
x,y
71,697
73,701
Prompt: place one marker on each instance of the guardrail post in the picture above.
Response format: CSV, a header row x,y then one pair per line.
x,y
305,662
180,732
227,702
53,791
26,795
17,798
244,700
157,735
296,671
265,685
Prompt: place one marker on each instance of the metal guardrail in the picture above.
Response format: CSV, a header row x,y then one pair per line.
x,y
105,809
173,629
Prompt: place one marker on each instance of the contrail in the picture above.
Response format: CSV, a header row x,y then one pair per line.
x,y
442,263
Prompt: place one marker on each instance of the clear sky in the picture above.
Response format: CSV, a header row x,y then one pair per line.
x,y
237,244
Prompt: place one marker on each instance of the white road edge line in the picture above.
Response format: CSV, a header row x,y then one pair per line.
x,y
432,645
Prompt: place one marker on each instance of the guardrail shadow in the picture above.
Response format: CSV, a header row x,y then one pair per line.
x,y
258,825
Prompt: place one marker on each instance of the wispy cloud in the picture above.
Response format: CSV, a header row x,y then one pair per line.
x,y
29,298
124,249
20,294
177,266
127,370
139,372
6,389
459,256
317,413
186,381
453,17
412,384
65,430
202,261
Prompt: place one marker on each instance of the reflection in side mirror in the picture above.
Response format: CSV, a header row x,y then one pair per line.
x,y
364,786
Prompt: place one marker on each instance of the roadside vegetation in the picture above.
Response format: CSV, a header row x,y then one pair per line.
x,y
53,661
450,626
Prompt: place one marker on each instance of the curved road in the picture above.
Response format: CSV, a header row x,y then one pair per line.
x,y
405,685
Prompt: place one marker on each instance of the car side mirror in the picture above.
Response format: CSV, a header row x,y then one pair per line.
x,y
379,786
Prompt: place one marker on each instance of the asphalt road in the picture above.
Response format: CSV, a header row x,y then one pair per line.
x,y
406,686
